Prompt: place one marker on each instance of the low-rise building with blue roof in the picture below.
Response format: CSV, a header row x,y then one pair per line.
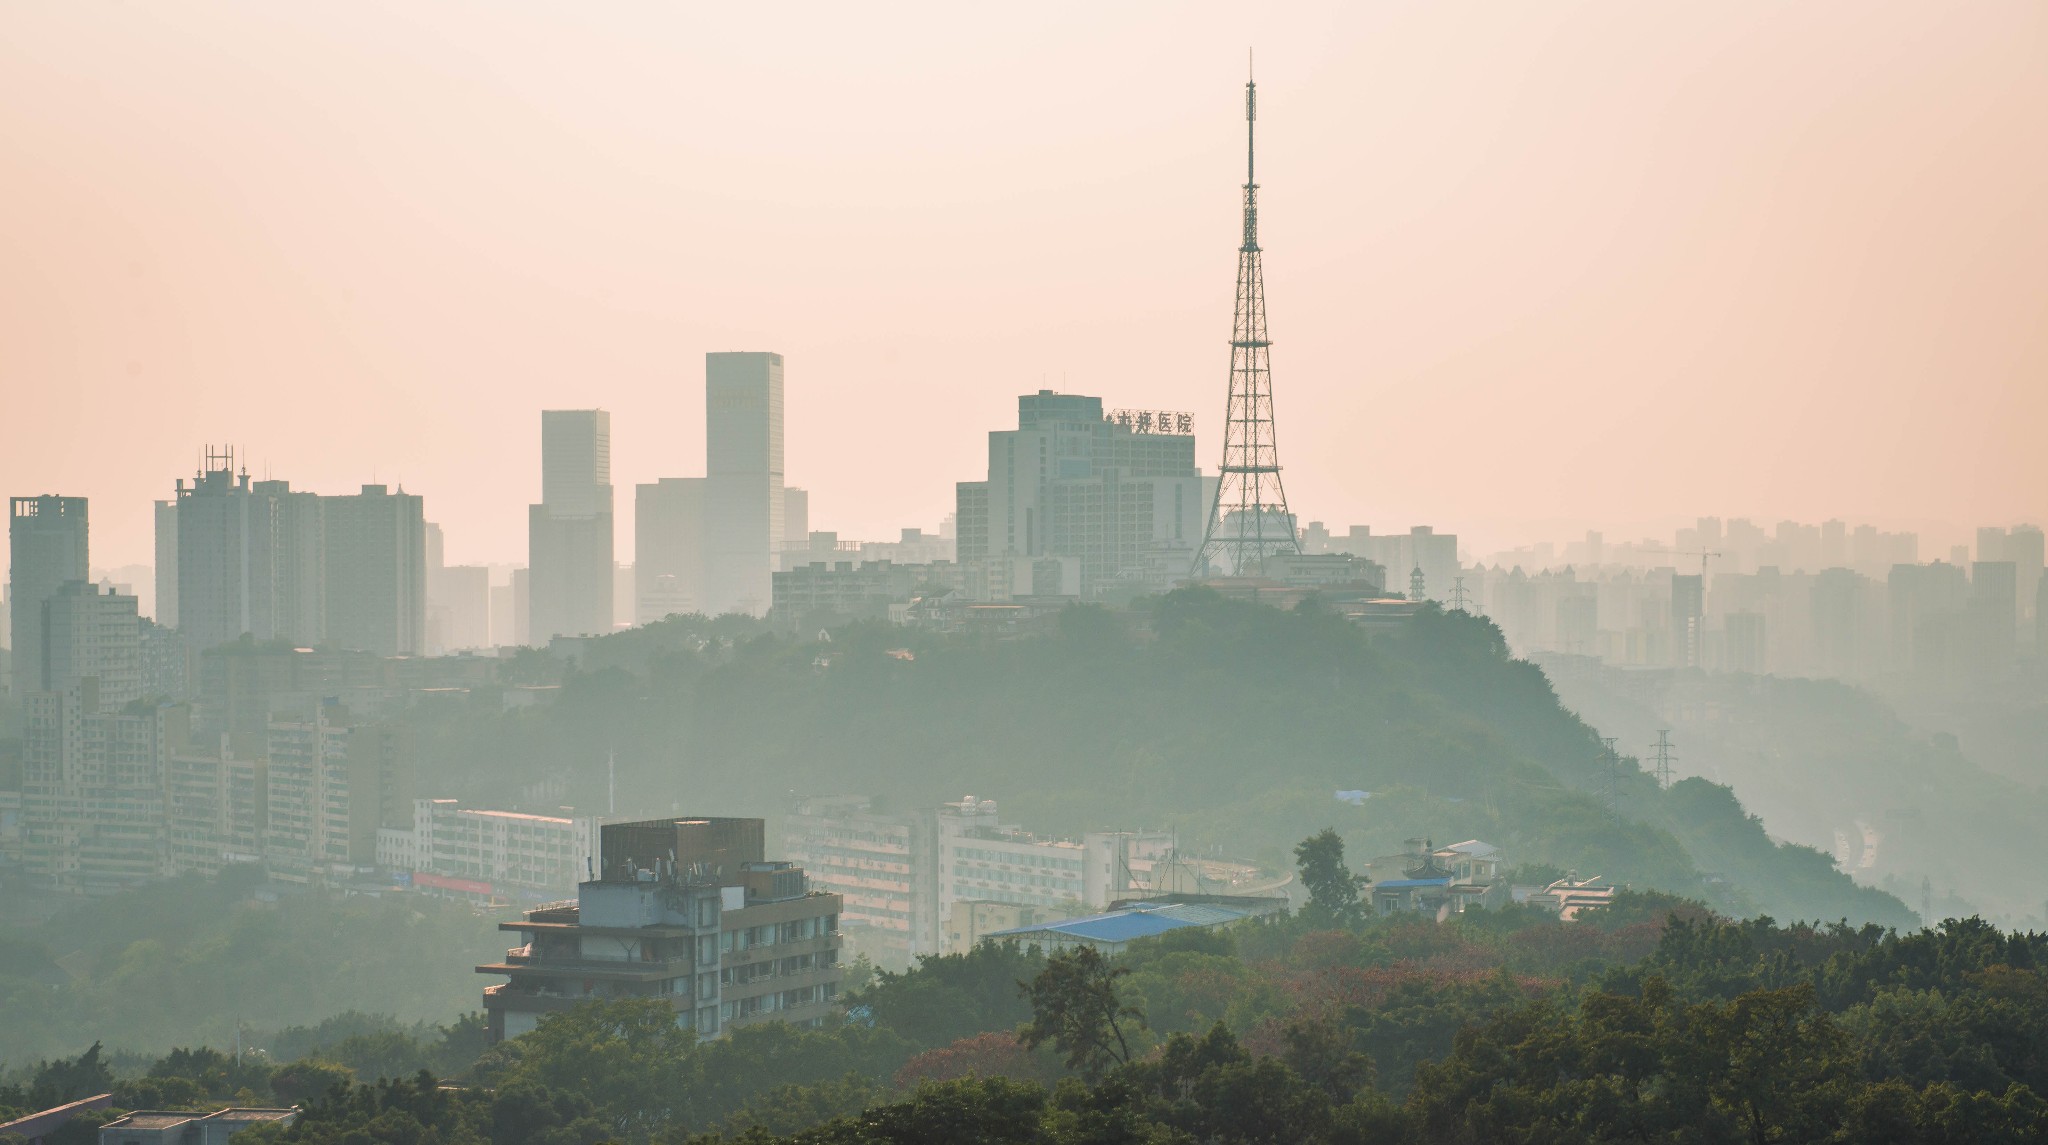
x,y
1113,932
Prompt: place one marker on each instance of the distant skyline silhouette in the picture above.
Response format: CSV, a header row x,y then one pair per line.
x,y
1533,269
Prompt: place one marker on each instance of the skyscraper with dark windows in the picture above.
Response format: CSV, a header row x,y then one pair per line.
x,y
569,534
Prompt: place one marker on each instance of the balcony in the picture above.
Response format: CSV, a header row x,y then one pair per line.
x,y
768,951
528,967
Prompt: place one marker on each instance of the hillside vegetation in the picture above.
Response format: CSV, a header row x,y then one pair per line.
x,y
1233,723
183,962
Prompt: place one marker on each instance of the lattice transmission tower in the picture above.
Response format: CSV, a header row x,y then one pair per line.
x,y
1249,520
1664,757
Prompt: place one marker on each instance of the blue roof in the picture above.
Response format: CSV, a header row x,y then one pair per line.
x,y
1400,884
1127,924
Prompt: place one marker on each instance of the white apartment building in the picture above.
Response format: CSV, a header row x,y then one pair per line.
x,y
902,873
492,854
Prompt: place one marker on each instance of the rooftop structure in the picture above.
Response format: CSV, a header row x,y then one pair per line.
x,y
37,1127
184,1127
1112,932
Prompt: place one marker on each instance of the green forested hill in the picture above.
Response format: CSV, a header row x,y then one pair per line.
x,y
1231,722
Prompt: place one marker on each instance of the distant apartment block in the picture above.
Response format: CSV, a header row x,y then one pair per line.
x,y
491,856
902,873
376,572
819,594
668,548
93,789
307,798
85,631
166,521
1400,554
689,911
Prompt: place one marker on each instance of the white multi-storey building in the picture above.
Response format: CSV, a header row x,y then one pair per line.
x,y
502,854
902,874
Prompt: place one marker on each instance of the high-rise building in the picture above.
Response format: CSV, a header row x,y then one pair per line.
x,y
1994,611
569,534
1100,500
508,614
461,619
332,782
2041,618
668,548
743,491
167,563
796,519
90,633
299,561
2022,545
376,572
46,545
227,537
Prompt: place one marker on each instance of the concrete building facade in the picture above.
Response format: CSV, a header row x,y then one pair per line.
x,y
375,572
93,789
514,855
903,873
1078,501
166,570
85,631
725,936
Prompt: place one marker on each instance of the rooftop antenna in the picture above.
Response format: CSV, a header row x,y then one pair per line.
x,y
611,773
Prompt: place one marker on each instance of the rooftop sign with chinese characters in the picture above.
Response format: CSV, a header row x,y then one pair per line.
x,y
1152,421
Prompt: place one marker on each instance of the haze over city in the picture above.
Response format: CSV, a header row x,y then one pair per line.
x,y
1795,272
637,575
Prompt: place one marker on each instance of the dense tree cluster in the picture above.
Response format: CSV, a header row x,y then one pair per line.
x,y
1654,1020
190,960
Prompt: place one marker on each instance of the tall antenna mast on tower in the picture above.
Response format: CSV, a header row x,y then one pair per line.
x,y
1249,520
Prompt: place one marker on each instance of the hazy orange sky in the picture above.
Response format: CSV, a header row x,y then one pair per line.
x,y
1531,267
